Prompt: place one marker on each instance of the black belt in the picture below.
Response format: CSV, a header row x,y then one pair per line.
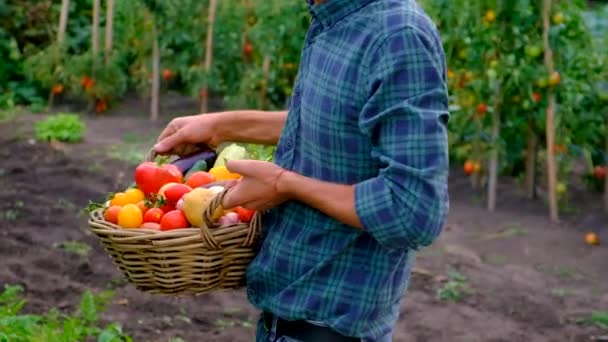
x,y
305,331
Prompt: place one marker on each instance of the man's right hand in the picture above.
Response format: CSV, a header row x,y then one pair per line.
x,y
183,134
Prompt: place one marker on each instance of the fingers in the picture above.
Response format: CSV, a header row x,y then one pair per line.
x,y
168,142
242,167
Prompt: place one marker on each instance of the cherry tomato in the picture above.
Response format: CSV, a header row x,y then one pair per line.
x,y
245,215
111,214
175,192
174,219
130,216
143,207
119,198
153,215
199,178
134,195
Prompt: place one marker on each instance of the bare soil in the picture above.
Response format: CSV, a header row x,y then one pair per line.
x,y
525,279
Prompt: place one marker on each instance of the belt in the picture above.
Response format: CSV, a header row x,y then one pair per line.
x,y
305,331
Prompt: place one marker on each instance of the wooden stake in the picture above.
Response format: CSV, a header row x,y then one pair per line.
x,y
493,164
154,98
63,21
530,180
208,56
550,125
95,31
605,165
109,28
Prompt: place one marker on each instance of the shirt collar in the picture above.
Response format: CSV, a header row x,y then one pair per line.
x,y
332,11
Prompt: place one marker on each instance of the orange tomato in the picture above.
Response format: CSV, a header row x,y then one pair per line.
x,y
130,216
469,167
153,215
57,89
199,178
111,214
592,239
143,207
120,198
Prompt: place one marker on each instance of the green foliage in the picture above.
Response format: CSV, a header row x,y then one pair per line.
x,y
63,127
456,288
55,326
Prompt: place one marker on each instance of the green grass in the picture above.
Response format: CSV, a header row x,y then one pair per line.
x,y
55,326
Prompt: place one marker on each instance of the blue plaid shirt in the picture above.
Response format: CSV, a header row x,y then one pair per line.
x,y
369,108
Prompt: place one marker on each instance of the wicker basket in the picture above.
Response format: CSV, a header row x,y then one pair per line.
x,y
182,261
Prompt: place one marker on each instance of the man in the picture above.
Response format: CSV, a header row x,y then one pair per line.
x,y
359,181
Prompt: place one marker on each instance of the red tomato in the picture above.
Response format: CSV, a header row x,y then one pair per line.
x,y
150,177
199,178
174,219
154,215
245,215
111,214
175,192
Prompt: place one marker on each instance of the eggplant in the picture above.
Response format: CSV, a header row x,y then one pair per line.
x,y
184,164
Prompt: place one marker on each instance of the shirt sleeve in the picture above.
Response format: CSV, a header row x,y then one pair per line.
x,y
405,118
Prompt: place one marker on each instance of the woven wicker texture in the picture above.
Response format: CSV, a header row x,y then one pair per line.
x,y
193,260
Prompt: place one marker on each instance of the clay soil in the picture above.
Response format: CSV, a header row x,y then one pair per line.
x,y
523,278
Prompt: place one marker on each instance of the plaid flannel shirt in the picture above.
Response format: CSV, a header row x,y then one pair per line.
x,y
369,108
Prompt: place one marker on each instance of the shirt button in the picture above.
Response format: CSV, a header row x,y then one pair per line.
x,y
251,292
289,144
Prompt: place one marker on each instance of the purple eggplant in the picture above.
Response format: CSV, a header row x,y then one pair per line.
x,y
184,164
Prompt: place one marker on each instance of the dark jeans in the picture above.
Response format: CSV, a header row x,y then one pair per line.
x,y
270,335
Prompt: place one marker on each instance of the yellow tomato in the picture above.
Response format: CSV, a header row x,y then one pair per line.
x,y
134,195
120,198
130,216
221,173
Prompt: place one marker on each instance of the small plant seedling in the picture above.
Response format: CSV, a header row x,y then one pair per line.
x,y
74,247
597,318
456,288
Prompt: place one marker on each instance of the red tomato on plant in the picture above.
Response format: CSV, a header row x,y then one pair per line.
x,y
150,176
245,215
174,219
199,178
154,215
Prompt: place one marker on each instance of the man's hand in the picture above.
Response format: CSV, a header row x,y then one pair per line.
x,y
257,189
182,134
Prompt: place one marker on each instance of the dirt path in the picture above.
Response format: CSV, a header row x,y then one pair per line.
x,y
527,279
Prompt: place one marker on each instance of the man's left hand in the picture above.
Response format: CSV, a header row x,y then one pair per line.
x,y
257,189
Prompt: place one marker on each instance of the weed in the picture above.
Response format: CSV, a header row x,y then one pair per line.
x,y
74,247
598,318
54,325
456,288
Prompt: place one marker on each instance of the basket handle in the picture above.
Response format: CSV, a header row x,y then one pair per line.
x,y
214,204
